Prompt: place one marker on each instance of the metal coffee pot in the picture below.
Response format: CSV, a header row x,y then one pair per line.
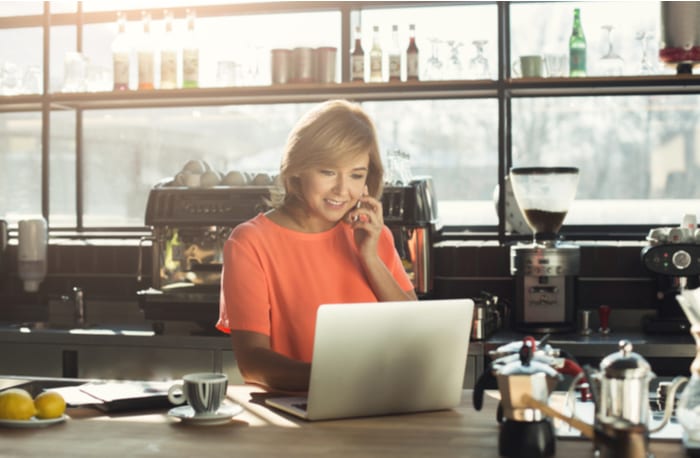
x,y
524,431
621,393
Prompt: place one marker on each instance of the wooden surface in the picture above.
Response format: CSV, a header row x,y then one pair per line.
x,y
262,432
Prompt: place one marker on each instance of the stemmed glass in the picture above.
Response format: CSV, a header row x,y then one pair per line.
x,y
479,64
611,64
646,66
454,63
434,68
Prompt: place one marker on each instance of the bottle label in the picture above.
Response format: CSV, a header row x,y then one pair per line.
x,y
168,69
395,66
412,65
145,68
358,68
121,69
577,61
375,66
190,66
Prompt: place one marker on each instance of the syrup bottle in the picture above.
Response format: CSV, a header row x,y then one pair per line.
x,y
121,54
375,57
168,55
394,55
190,54
357,59
412,55
145,55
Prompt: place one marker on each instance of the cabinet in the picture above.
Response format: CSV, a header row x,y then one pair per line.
x,y
60,354
504,91
35,359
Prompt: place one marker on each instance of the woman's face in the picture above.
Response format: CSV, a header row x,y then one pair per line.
x,y
330,192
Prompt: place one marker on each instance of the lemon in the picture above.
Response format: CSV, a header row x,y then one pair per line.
x,y
16,404
49,404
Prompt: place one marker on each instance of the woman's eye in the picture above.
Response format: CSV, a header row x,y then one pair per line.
x,y
358,176
328,173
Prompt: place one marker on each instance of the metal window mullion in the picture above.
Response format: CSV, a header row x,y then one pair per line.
x,y
79,133
504,112
45,115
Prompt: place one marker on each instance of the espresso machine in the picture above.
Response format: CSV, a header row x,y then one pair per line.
x,y
673,254
411,213
189,229
545,269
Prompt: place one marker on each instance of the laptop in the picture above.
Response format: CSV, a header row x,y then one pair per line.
x,y
384,358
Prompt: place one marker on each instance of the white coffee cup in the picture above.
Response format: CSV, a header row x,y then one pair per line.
x,y
203,391
528,67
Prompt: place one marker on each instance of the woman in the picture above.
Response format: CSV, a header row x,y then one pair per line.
x,y
324,242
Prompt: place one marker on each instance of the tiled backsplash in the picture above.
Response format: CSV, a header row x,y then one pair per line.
x,y
611,273
106,271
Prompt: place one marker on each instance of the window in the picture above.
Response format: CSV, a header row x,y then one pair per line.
x,y
637,152
638,155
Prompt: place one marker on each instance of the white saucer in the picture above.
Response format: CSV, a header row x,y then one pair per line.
x,y
187,414
33,422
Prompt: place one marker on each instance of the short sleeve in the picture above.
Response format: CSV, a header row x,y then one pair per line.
x,y
245,301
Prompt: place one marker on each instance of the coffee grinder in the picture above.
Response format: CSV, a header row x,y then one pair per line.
x,y
545,269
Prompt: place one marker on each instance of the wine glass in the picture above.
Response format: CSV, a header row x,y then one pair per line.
x,y
611,64
479,64
646,66
433,70
454,63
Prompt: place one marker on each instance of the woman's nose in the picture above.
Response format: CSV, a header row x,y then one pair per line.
x,y
339,184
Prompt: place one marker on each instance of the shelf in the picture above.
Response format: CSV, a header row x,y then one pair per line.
x,y
589,86
290,93
10,103
311,93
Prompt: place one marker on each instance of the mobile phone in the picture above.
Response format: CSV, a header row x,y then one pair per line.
x,y
357,205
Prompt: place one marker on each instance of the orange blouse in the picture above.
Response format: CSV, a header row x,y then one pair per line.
x,y
274,279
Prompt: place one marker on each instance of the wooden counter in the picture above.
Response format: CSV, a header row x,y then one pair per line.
x,y
261,432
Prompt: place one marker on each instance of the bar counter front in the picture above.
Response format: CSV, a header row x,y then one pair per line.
x,y
259,431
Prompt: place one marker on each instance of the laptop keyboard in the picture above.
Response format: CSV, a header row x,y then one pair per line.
x,y
300,405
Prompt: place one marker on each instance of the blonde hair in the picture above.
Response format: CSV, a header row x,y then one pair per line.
x,y
333,132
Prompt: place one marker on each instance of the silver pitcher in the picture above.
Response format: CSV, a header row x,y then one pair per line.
x,y
621,394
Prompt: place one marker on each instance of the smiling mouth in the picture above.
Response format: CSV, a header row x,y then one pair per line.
x,y
335,203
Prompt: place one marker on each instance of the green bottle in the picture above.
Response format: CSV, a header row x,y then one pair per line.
x,y
577,48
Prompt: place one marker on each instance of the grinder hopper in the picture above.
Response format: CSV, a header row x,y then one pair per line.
x,y
544,194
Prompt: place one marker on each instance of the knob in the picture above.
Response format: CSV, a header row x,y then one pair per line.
x,y
681,259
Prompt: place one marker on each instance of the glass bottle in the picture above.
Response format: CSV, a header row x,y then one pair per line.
x,y
577,47
121,54
375,57
357,62
145,55
168,55
190,54
412,55
394,55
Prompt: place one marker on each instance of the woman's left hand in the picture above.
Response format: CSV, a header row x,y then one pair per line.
x,y
367,221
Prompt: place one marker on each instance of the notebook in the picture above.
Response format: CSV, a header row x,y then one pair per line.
x,y
384,358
